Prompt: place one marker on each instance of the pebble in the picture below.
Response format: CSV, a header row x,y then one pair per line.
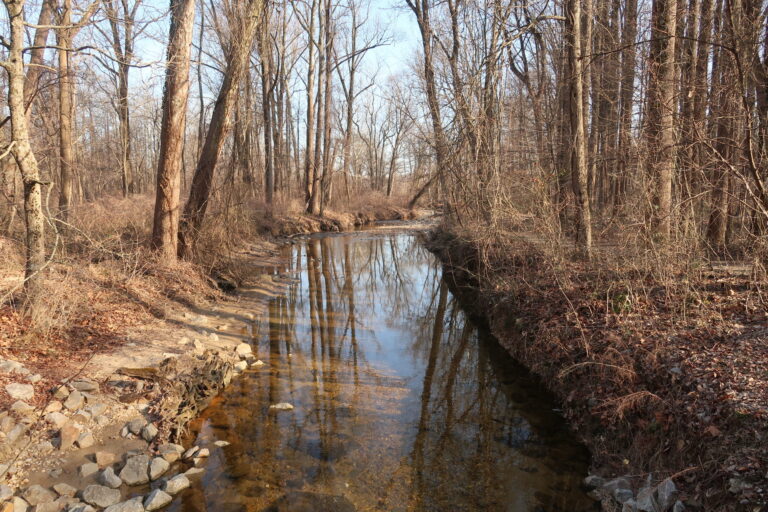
x,y
282,406
240,366
34,378
258,363
157,499
20,391
221,444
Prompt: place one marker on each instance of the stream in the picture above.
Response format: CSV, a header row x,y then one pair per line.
x,y
400,402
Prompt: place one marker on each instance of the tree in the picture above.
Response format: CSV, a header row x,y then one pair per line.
x,y
22,151
660,123
175,94
243,24
579,143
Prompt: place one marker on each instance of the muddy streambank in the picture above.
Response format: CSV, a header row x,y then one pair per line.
x,y
330,221
627,416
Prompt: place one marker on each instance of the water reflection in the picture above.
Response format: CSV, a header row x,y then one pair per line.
x,y
400,403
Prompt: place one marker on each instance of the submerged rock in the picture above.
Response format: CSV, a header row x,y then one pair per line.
x,y
157,499
306,501
176,484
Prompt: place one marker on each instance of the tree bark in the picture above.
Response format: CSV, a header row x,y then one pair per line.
x,y
175,96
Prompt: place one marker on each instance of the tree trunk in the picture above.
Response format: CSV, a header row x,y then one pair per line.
x,y
175,95
579,171
22,152
66,95
220,125
661,113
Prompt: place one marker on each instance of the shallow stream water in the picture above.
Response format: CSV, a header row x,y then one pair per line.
x,y
400,402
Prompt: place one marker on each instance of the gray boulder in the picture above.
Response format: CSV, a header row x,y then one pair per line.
x,y
176,484
100,496
37,494
135,471
110,479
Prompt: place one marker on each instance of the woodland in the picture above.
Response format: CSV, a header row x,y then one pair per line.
x,y
606,161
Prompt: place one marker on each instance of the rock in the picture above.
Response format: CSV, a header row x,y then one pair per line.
x,y
68,434
134,505
157,499
124,432
258,363
617,483
6,507
10,366
679,507
53,506
101,420
213,336
158,467
5,492
74,401
243,350
149,433
22,408
193,472
34,378
282,406
36,494
205,452
110,479
16,433
221,444
96,409
19,505
56,419
666,494
104,458
55,473
61,393
100,496
623,495
646,501
199,347
85,385
169,452
65,490
20,391
7,424
135,470
135,426
54,406
191,452
88,469
176,484
85,440
240,366
83,507
44,447
629,506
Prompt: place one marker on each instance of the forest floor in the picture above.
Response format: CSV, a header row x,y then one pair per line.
x,y
110,305
662,375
